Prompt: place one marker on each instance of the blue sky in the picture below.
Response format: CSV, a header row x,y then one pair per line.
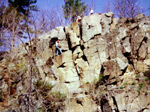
x,y
98,4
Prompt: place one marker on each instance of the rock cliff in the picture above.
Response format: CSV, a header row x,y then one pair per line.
x,y
104,67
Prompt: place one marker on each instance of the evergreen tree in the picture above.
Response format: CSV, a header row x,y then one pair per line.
x,y
73,8
24,7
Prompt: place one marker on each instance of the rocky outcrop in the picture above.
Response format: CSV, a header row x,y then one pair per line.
x,y
101,69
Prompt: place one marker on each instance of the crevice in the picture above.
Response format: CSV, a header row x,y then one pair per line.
x,y
109,58
142,110
132,21
74,48
67,82
124,70
64,50
92,38
26,43
77,71
102,70
62,66
84,58
105,107
82,47
64,30
128,56
68,40
144,40
79,102
123,40
113,83
89,27
115,103
81,32
127,21
49,62
52,41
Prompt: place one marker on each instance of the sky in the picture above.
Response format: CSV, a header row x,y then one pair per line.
x,y
98,5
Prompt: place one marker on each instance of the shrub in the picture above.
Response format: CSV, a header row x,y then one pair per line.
x,y
22,66
140,87
58,95
44,86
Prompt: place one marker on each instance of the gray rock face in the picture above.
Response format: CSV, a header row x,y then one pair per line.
x,y
102,58
91,26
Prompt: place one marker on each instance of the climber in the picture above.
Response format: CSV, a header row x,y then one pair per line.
x,y
78,19
58,50
91,11
100,13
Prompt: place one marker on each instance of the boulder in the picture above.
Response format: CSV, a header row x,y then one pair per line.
x,y
140,66
121,63
111,68
61,87
68,74
120,98
142,51
45,55
77,53
73,39
57,32
74,87
82,104
148,45
81,64
63,58
64,45
91,26
114,24
140,16
136,41
109,14
93,59
134,25
102,49
86,72
106,21
122,33
126,45
76,28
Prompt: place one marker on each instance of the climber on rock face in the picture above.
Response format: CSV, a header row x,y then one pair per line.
x,y
58,50
78,19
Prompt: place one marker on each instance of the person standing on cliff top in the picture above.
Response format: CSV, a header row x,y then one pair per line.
x,y
58,50
91,11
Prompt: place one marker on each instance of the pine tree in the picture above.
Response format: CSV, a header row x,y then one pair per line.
x,y
24,7
73,8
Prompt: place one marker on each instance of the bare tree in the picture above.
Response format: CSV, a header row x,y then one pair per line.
x,y
107,6
127,8
48,20
8,28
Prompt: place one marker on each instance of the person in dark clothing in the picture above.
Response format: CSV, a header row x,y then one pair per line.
x,y
58,49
